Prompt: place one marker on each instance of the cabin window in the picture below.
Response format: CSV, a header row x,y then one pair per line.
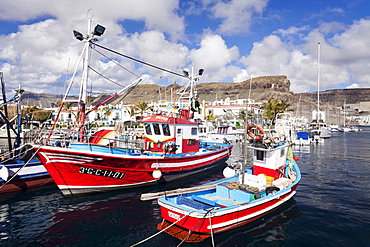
x,y
166,130
194,131
260,155
282,152
157,131
179,131
148,130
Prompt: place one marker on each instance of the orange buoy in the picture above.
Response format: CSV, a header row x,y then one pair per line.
x,y
254,136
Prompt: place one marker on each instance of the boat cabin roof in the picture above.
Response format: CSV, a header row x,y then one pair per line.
x,y
166,119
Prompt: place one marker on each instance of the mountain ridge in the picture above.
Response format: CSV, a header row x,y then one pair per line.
x,y
260,89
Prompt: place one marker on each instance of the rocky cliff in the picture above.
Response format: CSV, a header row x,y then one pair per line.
x,y
262,88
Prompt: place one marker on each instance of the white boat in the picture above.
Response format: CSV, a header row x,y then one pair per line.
x,y
354,129
226,132
285,126
334,127
302,138
344,128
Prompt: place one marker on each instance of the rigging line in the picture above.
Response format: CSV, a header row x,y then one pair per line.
x,y
105,76
116,63
139,61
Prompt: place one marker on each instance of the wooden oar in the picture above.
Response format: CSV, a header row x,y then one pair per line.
x,y
156,195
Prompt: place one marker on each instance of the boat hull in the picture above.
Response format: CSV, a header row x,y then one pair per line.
x,y
78,172
235,201
27,176
223,220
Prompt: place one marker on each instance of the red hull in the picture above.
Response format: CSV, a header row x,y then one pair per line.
x,y
80,172
24,184
222,220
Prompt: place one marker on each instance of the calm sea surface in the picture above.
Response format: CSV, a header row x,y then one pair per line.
x,y
331,208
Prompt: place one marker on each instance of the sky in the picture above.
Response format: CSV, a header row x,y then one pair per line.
x,y
232,40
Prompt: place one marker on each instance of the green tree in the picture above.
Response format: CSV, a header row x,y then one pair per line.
x,y
142,107
27,112
242,115
132,110
273,107
68,106
41,115
211,116
107,111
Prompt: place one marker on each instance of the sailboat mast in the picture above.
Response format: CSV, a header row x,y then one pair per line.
x,y
318,78
83,89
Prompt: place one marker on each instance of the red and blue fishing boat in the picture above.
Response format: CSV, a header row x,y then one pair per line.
x,y
107,160
171,151
242,197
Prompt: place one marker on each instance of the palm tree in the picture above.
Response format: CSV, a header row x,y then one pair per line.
x,y
211,116
273,107
107,111
132,110
142,107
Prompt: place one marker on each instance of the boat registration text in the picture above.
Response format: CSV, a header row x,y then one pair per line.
x,y
99,172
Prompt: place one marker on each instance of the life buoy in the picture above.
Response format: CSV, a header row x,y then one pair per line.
x,y
26,152
254,136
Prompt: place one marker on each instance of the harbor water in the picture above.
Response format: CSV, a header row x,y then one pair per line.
x,y
331,208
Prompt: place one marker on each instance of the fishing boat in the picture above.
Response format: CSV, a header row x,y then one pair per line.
x,y
170,149
235,200
19,168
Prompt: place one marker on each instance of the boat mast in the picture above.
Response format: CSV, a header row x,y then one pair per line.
x,y
19,117
85,76
5,110
318,80
188,94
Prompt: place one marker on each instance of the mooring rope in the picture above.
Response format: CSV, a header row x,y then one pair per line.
x,y
191,231
150,237
210,224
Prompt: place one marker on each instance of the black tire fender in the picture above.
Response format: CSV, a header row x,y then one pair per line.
x,y
26,152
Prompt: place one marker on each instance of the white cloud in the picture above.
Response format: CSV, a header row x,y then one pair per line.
x,y
39,54
343,60
237,14
159,15
291,31
267,57
213,53
354,85
242,76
